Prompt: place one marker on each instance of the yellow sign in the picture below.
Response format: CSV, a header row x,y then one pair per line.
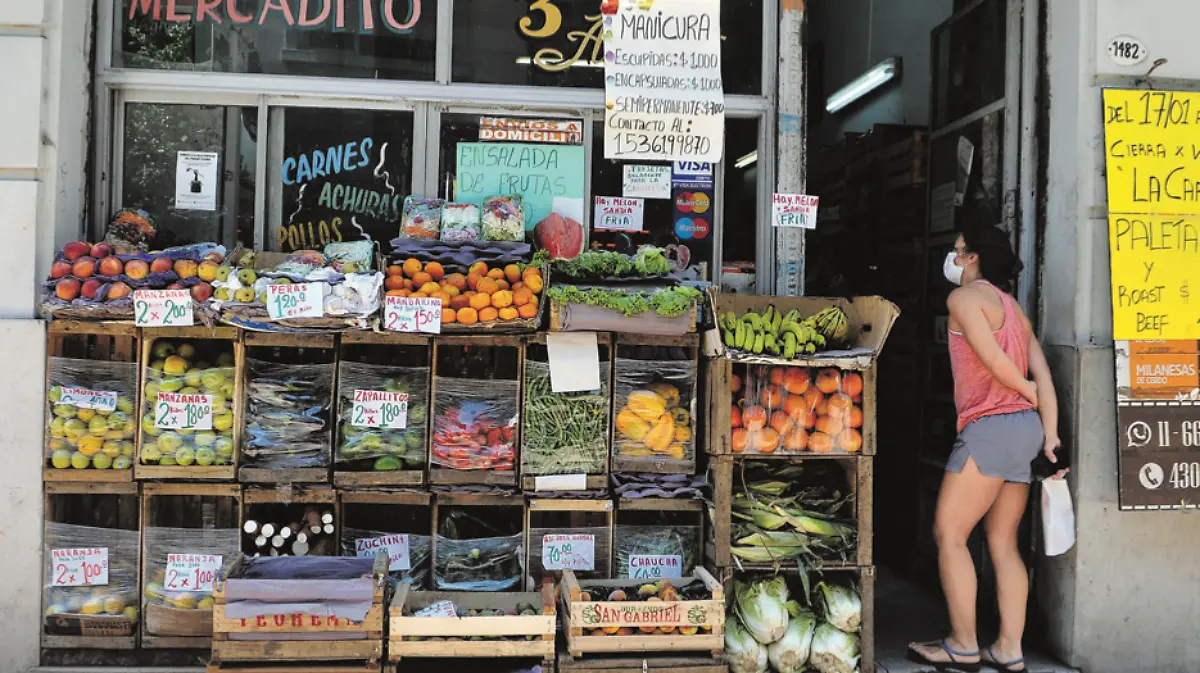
x,y
1153,259
1152,151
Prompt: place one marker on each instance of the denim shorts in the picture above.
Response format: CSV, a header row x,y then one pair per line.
x,y
1003,445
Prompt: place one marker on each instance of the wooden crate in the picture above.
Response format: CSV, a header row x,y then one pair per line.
x,y
101,341
104,505
859,477
331,667
173,505
446,347
593,480
389,513
641,663
708,616
483,501
368,648
592,518
215,337
282,504
671,513
350,343
569,317
687,345
410,636
284,340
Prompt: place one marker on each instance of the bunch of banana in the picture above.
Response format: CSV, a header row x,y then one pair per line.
x,y
771,332
830,322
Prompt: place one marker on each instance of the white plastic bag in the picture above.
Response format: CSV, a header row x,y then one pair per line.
x,y
1058,517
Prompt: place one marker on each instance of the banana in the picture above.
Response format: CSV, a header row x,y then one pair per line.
x,y
776,320
759,342
729,320
768,314
753,319
810,348
789,345
728,337
793,316
739,336
769,341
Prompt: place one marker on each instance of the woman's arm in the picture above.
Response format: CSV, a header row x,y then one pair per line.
x,y
967,311
1047,400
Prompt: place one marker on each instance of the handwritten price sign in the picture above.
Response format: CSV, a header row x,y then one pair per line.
x,y
183,412
655,566
82,398
443,609
413,314
304,300
794,210
191,572
569,552
80,567
162,308
395,545
378,409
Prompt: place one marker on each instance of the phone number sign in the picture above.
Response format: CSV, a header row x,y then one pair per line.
x,y
1159,454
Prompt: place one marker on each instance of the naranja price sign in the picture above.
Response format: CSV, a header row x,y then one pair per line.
x,y
83,567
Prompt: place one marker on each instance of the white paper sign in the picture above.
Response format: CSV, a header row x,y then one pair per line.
x,y
655,566
614,213
395,545
175,411
569,552
191,572
196,180
647,182
574,361
83,398
794,210
379,409
301,300
162,308
412,314
664,100
560,482
438,609
79,567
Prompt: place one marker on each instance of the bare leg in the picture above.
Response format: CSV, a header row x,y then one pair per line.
x,y
1011,578
964,499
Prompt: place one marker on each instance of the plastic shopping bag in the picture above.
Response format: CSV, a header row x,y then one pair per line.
x,y
1058,517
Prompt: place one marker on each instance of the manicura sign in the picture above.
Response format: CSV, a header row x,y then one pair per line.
x,y
363,16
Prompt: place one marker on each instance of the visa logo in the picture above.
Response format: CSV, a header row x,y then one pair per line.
x,y
693,168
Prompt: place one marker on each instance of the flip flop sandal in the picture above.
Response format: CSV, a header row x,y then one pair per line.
x,y
995,663
953,665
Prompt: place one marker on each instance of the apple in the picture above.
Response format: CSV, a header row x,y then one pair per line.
x,y
89,288
137,269
161,265
208,270
186,268
101,250
176,286
223,294
60,269
201,291
75,250
67,289
118,290
223,273
83,267
247,276
215,256
110,266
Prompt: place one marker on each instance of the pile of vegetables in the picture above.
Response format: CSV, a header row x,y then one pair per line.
x,y
790,513
596,264
563,433
438,610
769,630
669,302
363,448
652,422
783,335
474,427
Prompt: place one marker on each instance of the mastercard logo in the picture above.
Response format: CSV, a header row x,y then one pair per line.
x,y
692,202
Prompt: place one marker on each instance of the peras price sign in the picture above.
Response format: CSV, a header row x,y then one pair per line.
x,y
413,314
191,572
175,411
301,300
162,308
379,409
79,567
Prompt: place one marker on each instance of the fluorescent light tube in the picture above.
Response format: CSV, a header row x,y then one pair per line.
x,y
746,160
872,79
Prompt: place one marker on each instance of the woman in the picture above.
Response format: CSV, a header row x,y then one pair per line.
x,y
1003,420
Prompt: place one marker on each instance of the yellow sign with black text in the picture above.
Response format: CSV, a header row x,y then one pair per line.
x,y
1153,259
1152,151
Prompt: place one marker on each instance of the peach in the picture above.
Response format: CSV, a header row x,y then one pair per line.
x,y
186,268
101,250
201,291
89,288
83,267
208,270
176,286
60,269
110,266
137,269
160,265
75,250
118,290
67,289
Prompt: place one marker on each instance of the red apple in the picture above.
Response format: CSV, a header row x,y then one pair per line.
x,y
67,289
176,286
83,267
137,269
186,268
201,291
119,290
160,265
110,266
89,288
60,269
74,250
215,256
101,250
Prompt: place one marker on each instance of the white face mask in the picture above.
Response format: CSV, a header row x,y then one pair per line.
x,y
952,271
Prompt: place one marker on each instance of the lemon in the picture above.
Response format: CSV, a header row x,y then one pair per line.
x,y
90,445
98,426
126,448
57,444
65,411
122,463
113,605
131,614
54,394
85,415
111,448
222,422
101,461
61,459
117,420
58,427
125,404
205,603
74,428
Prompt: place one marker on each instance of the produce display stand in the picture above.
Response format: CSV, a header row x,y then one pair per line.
x,y
570,317
382,512
488,637
641,663
299,346
679,353
102,342
102,505
705,617
511,507
669,514
179,505
286,504
588,518
374,347
151,336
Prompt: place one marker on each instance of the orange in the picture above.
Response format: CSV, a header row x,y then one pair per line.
x,y
435,270
512,272
509,313
795,440
444,297
811,421
430,288
457,280
754,418
522,296
796,407
480,301
488,314
487,285
397,293
420,278
502,284
460,301
820,442
766,440
531,271
813,397
395,283
850,440
449,315
533,283
412,266
735,383
839,405
502,298
796,380
781,422
467,316
740,438
529,310
395,270
478,268
856,417
496,274
771,397
735,416
828,380
450,289
517,286
473,280
777,376
852,383
829,425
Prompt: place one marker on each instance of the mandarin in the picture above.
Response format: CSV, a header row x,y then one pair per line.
x,y
421,278
521,296
473,280
449,315
766,440
435,270
740,438
480,301
459,301
852,384
509,313
502,298
496,274
478,268
395,270
395,283
430,287
488,314
412,266
457,280
820,442
467,316
533,283
529,310
512,272
754,418
443,296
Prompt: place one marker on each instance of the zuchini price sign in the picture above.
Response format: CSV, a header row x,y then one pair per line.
x,y
300,300
162,308
379,409
176,411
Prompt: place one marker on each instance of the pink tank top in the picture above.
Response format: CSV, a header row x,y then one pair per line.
x,y
976,392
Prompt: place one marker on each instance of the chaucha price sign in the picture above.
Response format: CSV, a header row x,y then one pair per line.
x,y
183,411
191,572
162,308
79,567
655,566
379,409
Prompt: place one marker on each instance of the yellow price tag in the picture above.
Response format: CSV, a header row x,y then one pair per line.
x,y
1152,151
1153,257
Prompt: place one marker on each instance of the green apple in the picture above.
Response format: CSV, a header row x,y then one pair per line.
x,y
152,390
101,461
247,276
212,378
189,390
170,384
122,463
169,442
163,349
150,454
225,360
223,273
193,377
61,459
167,461
158,365
223,293
58,427
98,426
111,448
222,422
148,426
125,404
186,351
127,448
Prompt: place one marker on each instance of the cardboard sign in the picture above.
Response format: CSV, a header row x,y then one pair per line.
x,y
646,182
83,398
196,180
84,567
617,214
569,552
301,300
191,572
162,308
561,482
655,566
442,609
508,129
412,314
174,411
379,409
397,547
548,178
574,359
794,210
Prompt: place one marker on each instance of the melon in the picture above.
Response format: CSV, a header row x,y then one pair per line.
x,y
561,237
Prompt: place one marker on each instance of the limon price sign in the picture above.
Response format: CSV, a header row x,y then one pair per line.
x,y
302,300
191,572
413,314
569,552
379,409
396,547
100,400
175,411
655,566
162,308
79,567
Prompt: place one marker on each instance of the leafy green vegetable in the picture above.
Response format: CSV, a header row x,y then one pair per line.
x,y
668,302
651,261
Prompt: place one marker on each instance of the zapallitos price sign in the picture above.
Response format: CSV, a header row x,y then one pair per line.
x,y
379,409
175,411
162,308
299,300
81,567
191,572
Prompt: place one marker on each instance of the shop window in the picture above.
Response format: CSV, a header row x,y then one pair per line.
x,y
559,43
337,175
739,205
192,168
382,39
969,62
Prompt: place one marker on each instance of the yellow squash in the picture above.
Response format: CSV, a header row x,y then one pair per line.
x,y
646,404
660,436
631,425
